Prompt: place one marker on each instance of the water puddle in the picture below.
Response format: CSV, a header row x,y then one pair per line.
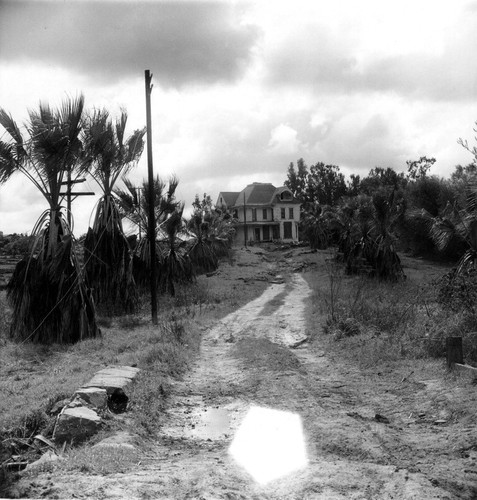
x,y
214,423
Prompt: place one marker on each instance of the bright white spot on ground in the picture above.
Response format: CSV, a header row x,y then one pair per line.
x,y
269,444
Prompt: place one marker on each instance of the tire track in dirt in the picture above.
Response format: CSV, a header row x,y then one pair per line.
x,y
244,361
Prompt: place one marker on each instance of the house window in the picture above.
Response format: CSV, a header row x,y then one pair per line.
x,y
290,213
254,214
282,213
264,214
235,214
286,195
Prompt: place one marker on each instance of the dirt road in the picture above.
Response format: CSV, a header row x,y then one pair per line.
x,y
362,437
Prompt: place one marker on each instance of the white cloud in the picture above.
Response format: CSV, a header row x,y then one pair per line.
x,y
283,140
244,91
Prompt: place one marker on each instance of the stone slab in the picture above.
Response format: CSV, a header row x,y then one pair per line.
x,y
76,424
109,382
95,396
113,378
132,370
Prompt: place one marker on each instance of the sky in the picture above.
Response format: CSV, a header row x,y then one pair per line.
x,y
244,88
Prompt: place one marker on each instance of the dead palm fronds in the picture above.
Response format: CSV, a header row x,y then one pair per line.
x,y
109,261
49,298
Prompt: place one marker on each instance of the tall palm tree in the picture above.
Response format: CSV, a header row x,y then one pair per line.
x,y
108,260
135,207
50,300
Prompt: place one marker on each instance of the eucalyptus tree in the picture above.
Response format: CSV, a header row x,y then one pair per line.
x,y
108,264
50,300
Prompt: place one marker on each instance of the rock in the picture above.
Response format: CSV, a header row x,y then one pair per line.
x,y
76,424
58,406
94,396
48,457
381,418
119,440
113,378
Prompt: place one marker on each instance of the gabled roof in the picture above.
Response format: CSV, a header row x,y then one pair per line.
x,y
229,197
280,190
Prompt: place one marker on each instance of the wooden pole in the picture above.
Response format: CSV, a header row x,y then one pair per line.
x,y
68,196
150,194
244,220
454,351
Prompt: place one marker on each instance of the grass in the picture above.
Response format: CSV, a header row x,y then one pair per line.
x,y
386,322
34,377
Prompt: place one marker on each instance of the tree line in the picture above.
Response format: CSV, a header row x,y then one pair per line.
x,y
54,296
370,219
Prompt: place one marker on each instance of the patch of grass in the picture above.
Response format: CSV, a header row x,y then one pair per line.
x,y
102,460
390,321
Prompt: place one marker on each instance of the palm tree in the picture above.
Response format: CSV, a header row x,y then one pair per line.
x,y
49,298
367,239
135,208
108,261
213,232
176,266
458,227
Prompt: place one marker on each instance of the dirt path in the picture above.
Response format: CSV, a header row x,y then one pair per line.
x,y
253,358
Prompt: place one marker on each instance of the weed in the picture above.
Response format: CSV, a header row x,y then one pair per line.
x,y
99,460
131,321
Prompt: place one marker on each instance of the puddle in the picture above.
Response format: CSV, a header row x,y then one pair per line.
x,y
211,424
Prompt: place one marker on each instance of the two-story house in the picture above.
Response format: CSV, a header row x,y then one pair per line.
x,y
264,212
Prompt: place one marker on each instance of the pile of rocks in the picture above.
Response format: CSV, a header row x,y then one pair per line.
x,y
82,416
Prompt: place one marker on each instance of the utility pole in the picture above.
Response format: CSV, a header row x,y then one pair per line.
x,y
69,194
244,220
150,196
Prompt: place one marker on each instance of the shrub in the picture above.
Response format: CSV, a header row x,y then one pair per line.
x,y
458,291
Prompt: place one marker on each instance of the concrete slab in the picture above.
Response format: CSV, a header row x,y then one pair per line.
x,y
95,396
76,424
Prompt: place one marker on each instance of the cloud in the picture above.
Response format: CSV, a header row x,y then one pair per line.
x,y
283,140
414,50
181,42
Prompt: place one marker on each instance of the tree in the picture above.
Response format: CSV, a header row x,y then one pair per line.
x,y
368,224
297,181
108,260
379,177
176,266
213,233
418,169
326,184
50,300
135,208
204,205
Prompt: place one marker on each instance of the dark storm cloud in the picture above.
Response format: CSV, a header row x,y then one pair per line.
x,y
181,42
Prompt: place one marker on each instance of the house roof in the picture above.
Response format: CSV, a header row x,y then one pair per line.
x,y
258,193
229,197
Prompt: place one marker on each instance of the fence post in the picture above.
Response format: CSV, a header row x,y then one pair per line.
x,y
454,351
